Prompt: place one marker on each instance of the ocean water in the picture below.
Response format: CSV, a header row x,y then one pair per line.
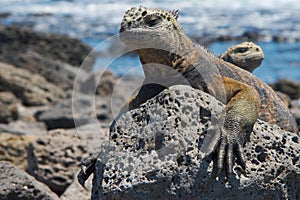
x,y
94,21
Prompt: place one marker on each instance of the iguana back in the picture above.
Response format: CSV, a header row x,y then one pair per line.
x,y
157,37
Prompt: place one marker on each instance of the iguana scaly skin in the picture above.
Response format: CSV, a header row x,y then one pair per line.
x,y
249,56
169,57
246,55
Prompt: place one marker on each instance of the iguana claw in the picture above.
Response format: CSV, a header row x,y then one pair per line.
x,y
229,150
227,142
87,168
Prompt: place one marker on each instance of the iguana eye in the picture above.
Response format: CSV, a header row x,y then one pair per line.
x,y
152,20
242,50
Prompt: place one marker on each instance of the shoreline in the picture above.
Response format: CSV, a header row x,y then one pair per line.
x,y
37,102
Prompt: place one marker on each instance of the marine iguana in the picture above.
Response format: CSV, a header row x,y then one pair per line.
x,y
162,47
249,56
169,57
246,55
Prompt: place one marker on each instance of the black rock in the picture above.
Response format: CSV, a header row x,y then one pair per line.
x,y
50,55
16,184
155,153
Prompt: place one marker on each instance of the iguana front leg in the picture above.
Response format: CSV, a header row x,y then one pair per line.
x,y
147,91
240,114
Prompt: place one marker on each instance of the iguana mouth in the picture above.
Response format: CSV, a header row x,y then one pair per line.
x,y
142,38
254,56
136,34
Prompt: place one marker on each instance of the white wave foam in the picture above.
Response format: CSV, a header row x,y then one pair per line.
x,y
90,19
197,17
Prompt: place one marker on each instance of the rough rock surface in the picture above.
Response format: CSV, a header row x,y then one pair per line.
x,y
104,83
13,148
8,108
20,127
8,98
15,41
77,111
101,82
76,191
55,158
18,185
7,113
28,113
55,57
289,87
90,135
55,71
285,99
295,109
154,154
32,89
26,123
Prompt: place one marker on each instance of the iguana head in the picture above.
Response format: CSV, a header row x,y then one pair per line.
x,y
149,28
158,39
246,55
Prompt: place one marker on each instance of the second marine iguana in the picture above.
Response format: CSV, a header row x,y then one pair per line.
x,y
246,55
169,57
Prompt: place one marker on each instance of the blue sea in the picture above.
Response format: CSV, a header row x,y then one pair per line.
x,y
95,21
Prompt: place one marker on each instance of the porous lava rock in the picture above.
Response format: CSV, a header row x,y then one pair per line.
x,y
154,153
18,185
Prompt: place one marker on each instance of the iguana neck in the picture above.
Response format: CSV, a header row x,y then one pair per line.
x,y
175,55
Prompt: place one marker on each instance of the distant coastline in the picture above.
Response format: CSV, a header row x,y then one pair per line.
x,y
213,23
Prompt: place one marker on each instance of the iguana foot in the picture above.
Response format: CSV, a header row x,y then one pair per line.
x,y
87,168
228,147
233,128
